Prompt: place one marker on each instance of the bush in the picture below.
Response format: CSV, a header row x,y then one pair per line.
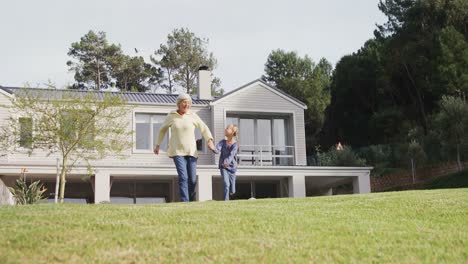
x,y
344,157
24,194
381,157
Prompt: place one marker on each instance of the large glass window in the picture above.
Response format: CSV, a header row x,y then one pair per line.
x,y
263,139
247,133
147,130
200,140
264,132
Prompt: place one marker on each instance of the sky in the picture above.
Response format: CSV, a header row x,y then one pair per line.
x,y
35,35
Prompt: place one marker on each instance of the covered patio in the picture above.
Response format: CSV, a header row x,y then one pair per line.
x,y
147,183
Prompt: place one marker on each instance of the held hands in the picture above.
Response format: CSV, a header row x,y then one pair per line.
x,y
211,146
156,150
225,165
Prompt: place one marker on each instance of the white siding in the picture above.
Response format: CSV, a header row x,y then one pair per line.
x,y
250,99
260,99
132,156
4,111
4,115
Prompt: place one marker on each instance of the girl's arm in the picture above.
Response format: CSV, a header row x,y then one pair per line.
x,y
232,154
219,146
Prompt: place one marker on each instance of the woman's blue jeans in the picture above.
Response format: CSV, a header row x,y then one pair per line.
x,y
229,182
187,170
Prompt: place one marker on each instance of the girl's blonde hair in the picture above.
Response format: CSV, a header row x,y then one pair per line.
x,y
235,131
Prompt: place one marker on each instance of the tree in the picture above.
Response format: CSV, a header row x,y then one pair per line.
x,y
133,74
181,57
416,155
452,123
94,60
393,83
412,50
452,64
77,127
216,89
168,64
359,99
302,79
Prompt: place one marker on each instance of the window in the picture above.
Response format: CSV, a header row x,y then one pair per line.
x,y
264,138
279,134
200,140
232,120
26,124
264,132
147,130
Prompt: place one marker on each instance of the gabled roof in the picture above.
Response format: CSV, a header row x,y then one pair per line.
x,y
131,97
157,98
265,85
5,92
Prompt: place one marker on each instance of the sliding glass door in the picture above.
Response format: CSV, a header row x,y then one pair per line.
x,y
263,140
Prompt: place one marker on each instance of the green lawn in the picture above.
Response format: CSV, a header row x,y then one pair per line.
x,y
411,227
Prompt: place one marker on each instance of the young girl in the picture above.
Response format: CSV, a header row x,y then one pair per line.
x,y
227,149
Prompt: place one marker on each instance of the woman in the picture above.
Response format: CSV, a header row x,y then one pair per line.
x,y
182,146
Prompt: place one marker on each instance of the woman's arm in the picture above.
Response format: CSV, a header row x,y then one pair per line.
x,y
205,131
162,132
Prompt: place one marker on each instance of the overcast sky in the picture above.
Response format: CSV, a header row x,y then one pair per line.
x,y
36,35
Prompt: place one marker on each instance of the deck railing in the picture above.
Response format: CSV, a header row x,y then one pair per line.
x,y
265,155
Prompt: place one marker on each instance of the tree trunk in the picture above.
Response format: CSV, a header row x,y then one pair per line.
x,y
169,79
98,84
187,82
62,180
413,172
460,167
420,102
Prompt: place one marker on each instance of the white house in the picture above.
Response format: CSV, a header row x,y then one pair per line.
x,y
272,154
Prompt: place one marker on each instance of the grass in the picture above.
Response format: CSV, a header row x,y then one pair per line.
x,y
411,227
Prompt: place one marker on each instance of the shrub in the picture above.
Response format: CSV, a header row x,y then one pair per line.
x,y
24,194
344,157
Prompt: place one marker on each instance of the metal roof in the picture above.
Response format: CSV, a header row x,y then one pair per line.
x,y
131,97
151,98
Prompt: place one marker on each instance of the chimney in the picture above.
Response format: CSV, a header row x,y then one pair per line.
x,y
204,83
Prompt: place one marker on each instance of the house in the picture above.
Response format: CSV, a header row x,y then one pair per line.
x,y
272,152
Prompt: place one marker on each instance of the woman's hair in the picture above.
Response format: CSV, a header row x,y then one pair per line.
x,y
235,131
183,97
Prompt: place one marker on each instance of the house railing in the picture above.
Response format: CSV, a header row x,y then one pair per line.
x,y
265,155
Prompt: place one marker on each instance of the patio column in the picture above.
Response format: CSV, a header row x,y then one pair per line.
x,y
102,187
297,186
205,186
361,184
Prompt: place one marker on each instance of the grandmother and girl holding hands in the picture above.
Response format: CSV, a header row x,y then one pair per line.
x,y
182,148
